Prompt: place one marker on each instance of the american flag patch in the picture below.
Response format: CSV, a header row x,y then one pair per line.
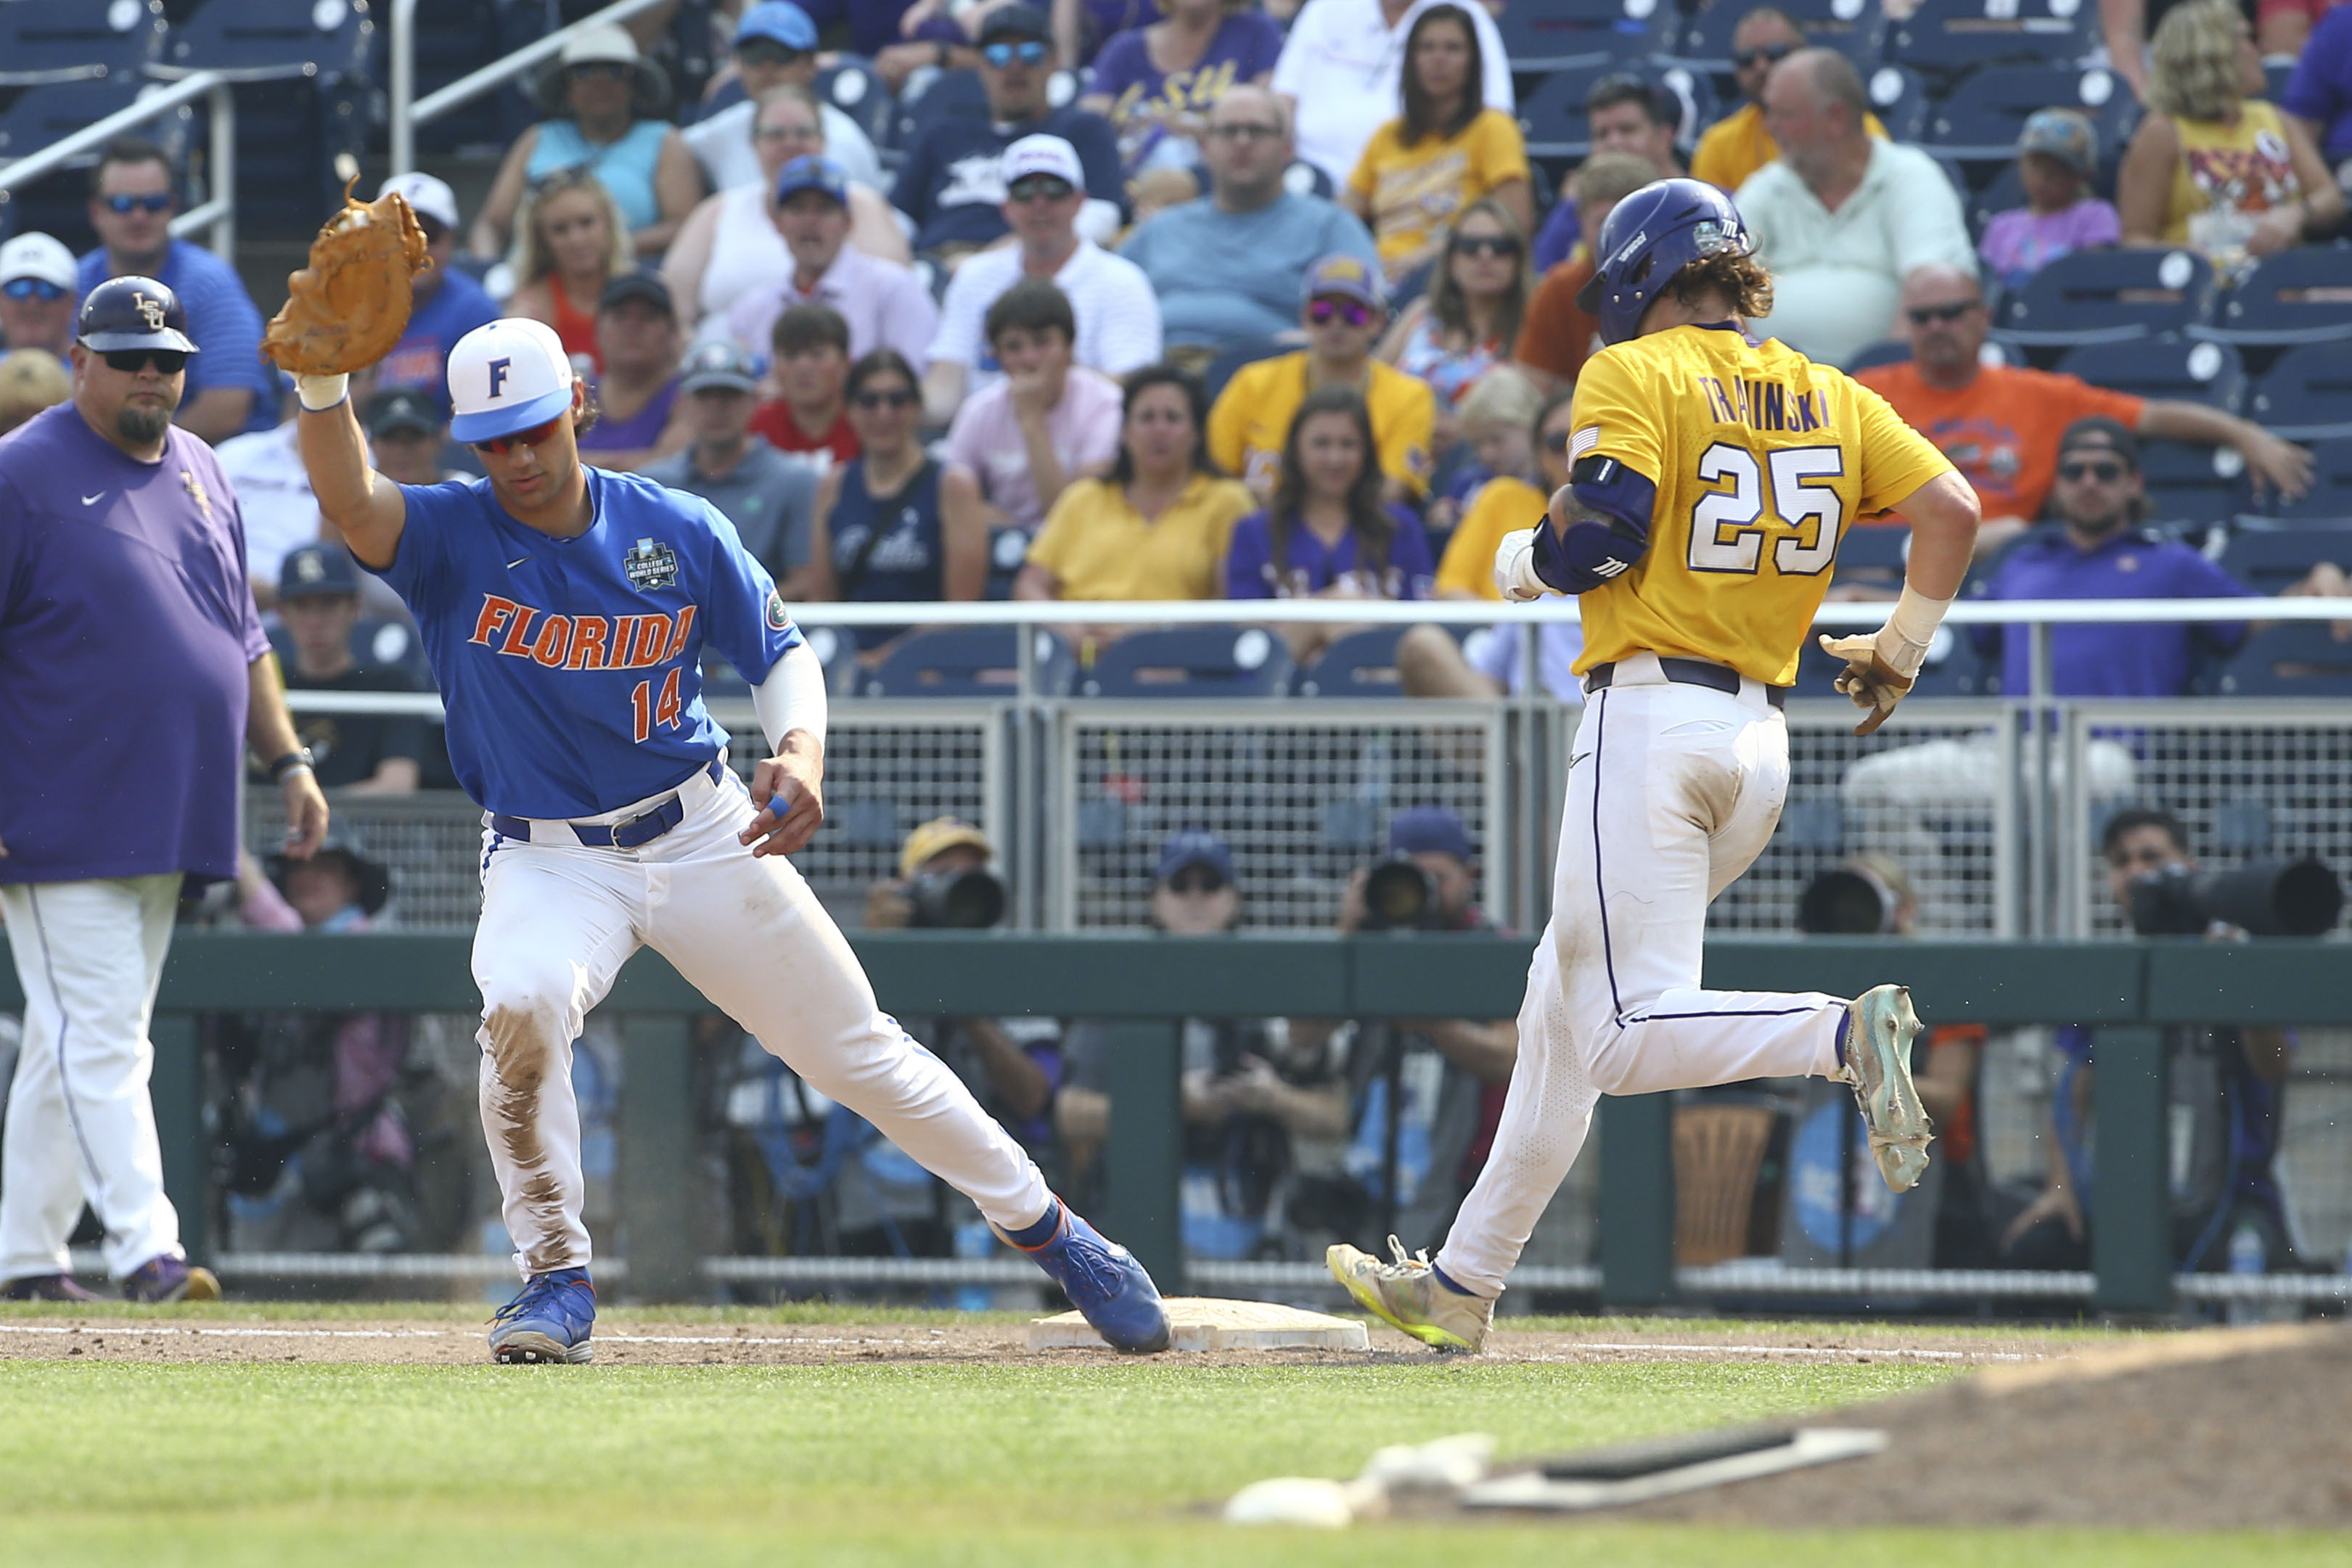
x,y
1584,441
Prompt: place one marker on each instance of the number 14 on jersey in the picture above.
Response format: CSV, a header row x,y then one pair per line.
x,y
650,710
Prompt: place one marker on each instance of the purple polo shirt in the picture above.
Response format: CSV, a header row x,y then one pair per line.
x,y
126,627
2145,659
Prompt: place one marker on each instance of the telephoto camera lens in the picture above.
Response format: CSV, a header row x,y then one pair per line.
x,y
1843,901
1398,897
2265,898
957,901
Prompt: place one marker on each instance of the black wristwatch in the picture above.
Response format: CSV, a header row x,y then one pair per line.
x,y
298,758
939,56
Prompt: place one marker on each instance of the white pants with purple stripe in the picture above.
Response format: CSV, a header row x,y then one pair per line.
x,y
81,1127
560,918
1672,791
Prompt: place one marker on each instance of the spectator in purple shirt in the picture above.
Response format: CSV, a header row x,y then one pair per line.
x,y
2319,93
2057,157
1156,84
134,674
2098,551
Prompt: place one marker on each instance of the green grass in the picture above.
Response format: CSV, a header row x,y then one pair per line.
x,y
1039,1465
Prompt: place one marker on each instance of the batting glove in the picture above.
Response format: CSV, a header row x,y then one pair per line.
x,y
1515,568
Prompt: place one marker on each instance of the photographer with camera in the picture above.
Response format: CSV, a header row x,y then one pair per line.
x,y
1447,1075
2224,1085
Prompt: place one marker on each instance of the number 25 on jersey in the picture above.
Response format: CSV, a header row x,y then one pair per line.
x,y
649,710
1728,527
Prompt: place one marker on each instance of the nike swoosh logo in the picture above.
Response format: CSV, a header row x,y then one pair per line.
x,y
93,500
517,561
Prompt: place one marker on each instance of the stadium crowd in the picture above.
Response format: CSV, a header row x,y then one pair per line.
x,y
1212,299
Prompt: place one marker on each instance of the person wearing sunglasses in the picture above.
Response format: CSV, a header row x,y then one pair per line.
x,y
895,525
1117,315
566,613
603,102
127,596
775,45
1465,324
1739,144
952,186
132,200
1342,308
39,289
2000,424
1558,334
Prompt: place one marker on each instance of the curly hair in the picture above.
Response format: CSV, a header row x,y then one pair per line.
x,y
1451,307
2194,64
1740,279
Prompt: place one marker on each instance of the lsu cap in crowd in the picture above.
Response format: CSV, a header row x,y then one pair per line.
x,y
1348,277
507,376
428,197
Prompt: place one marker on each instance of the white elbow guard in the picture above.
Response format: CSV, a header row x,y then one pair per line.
x,y
792,697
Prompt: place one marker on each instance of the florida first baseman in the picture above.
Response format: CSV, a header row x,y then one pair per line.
x,y
565,609
1711,476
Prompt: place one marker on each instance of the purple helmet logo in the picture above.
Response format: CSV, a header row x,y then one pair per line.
x,y
1650,236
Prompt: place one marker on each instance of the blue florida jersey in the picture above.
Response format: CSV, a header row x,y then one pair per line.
x,y
572,668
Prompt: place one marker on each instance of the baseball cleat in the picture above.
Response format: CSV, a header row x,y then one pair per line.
x,y
164,1279
1408,1295
1111,1291
1879,1030
550,1321
47,1288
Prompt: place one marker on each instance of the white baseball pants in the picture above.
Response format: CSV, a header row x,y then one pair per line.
x,y
1672,791
81,1125
559,919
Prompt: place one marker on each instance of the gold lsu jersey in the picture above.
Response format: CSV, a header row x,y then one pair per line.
x,y
1761,458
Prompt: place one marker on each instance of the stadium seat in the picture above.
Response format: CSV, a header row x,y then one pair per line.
x,y
965,662
75,40
1191,662
947,93
2292,659
1309,178
1562,33
2271,560
263,40
1873,555
57,204
2209,374
1870,356
1552,117
1944,37
2002,188
851,85
1361,664
2108,297
2299,296
1854,31
1234,356
2306,395
2329,500
1008,548
453,38
2195,485
1898,96
1982,117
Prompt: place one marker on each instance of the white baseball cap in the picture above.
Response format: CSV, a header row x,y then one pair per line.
x,y
1043,155
39,255
507,376
432,198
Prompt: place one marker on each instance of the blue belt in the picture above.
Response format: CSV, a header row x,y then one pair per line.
x,y
641,829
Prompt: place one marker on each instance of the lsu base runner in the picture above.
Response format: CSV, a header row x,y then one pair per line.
x,y
565,611
1711,478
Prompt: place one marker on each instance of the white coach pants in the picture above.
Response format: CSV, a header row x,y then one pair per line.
x,y
81,1125
559,919
1672,791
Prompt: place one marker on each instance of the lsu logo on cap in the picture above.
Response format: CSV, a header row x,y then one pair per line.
x,y
151,310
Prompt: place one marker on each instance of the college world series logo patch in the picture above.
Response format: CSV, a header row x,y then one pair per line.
x,y
649,566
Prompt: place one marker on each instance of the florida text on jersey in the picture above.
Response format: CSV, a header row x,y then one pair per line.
x,y
1752,460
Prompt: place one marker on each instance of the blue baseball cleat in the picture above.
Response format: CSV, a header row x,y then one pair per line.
x,y
1103,1281
551,1321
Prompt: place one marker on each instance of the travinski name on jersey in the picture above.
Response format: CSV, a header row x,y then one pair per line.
x,y
582,642
1762,405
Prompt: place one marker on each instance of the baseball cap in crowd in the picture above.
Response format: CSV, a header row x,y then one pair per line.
x,y
714,365
1347,276
1034,155
316,570
507,376
646,285
39,256
2097,432
2064,135
779,21
1429,830
813,173
1194,847
1010,23
936,836
371,879
429,197
402,408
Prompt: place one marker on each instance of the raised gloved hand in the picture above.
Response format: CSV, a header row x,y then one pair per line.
x,y
345,310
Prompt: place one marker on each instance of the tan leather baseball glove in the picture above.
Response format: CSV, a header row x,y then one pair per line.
x,y
345,310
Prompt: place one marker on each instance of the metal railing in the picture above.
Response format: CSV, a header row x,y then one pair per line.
x,y
405,112
218,213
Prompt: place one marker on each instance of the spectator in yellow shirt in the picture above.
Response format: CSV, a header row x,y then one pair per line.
x,y
1343,314
1446,151
1156,525
1738,145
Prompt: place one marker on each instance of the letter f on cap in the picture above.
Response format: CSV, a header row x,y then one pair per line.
x,y
498,368
505,376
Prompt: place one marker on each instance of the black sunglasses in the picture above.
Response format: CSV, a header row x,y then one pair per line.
x,y
1921,315
2104,473
1485,245
1774,53
1038,188
1196,879
130,362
